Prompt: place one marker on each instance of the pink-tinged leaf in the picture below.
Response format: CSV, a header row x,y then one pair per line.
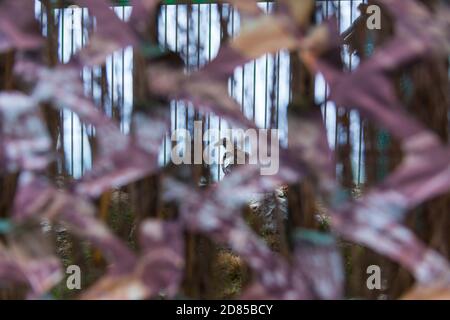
x,y
374,219
434,291
283,30
120,160
159,269
128,161
248,8
210,213
205,94
110,33
143,15
24,141
39,274
162,259
308,143
374,226
37,198
318,259
18,26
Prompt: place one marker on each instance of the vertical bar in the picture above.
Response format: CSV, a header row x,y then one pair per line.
x,y
254,89
122,107
243,89
82,79
209,57
188,13
71,113
278,89
62,111
176,50
165,47
266,84
336,108
325,116
198,36
232,93
220,120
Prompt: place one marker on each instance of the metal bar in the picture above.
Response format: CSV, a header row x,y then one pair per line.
x,y
62,111
176,49
165,46
186,109
71,113
82,79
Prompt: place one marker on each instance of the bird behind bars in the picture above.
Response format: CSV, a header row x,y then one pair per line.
x,y
233,156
